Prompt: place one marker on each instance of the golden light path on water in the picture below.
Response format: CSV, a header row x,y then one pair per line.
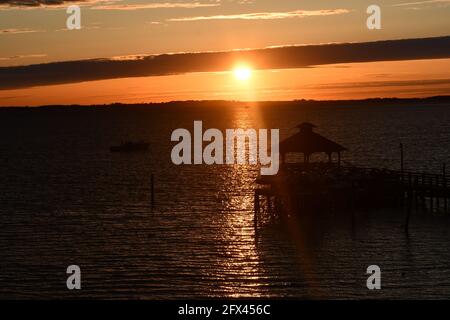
x,y
242,267
244,270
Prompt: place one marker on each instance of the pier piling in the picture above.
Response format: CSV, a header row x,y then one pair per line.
x,y
408,210
152,187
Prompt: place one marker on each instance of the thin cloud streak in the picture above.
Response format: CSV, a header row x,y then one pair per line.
x,y
8,5
36,3
419,3
392,83
17,31
266,15
259,59
23,56
163,5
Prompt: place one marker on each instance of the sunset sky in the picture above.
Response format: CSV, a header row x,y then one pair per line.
x,y
34,32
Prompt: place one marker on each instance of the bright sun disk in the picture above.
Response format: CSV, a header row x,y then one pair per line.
x,y
242,73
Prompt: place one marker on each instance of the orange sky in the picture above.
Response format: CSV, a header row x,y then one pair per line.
x,y
37,34
417,78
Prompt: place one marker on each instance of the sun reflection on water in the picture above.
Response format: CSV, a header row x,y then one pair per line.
x,y
246,267
240,262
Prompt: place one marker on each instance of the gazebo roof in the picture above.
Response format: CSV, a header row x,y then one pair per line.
x,y
307,141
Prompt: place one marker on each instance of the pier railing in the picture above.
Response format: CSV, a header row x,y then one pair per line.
x,y
298,187
421,184
412,180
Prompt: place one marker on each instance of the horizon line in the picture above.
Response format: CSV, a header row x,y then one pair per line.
x,y
444,98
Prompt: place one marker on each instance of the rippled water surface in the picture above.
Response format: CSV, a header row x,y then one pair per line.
x,y
65,199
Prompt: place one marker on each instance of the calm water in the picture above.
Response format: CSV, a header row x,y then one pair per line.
x,y
65,199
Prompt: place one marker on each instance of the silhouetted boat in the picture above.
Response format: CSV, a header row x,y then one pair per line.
x,y
130,147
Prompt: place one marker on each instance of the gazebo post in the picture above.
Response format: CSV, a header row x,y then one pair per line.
x,y
339,158
329,157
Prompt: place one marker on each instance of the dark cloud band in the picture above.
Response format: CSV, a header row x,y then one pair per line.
x,y
36,3
270,58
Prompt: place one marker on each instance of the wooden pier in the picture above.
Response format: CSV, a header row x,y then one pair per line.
x,y
309,190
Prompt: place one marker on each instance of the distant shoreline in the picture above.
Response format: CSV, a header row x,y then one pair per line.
x,y
224,103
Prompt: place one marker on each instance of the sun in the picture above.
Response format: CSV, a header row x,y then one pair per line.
x,y
242,73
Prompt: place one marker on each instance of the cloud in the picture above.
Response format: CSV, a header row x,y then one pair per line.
x,y
17,31
23,56
35,3
46,4
422,3
376,84
98,4
269,58
92,26
266,15
162,5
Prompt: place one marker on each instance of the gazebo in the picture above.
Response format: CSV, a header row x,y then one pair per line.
x,y
306,141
